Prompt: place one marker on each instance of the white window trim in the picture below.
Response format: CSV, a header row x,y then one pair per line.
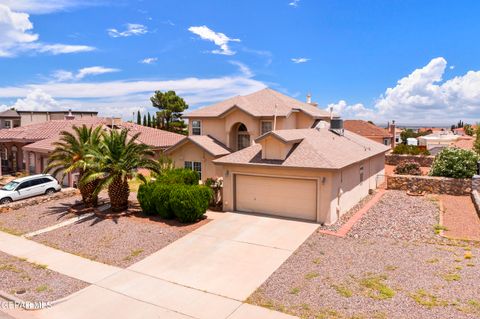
x,y
11,124
201,127
192,165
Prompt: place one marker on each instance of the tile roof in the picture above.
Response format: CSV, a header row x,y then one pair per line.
x,y
46,133
206,142
318,148
260,103
365,128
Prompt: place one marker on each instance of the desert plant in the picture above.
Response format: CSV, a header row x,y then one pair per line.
x,y
145,198
455,162
410,150
408,168
216,184
161,199
116,159
71,154
178,176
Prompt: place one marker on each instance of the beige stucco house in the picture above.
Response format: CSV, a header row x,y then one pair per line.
x,y
278,156
234,124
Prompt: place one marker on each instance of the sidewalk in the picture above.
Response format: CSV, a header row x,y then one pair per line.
x,y
205,275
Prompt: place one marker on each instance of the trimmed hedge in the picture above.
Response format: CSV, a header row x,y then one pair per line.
x,y
410,150
408,168
175,193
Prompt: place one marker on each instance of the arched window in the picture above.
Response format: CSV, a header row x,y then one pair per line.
x,y
243,138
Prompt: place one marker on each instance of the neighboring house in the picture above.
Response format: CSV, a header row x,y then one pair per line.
x,y
14,118
234,124
371,131
437,140
27,148
314,174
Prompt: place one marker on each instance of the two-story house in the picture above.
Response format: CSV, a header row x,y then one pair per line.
x,y
234,124
280,156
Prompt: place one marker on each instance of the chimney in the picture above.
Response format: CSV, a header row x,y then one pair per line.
x,y
69,116
309,98
393,130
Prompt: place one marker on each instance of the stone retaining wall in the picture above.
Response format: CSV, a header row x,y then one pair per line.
x,y
66,192
430,184
422,160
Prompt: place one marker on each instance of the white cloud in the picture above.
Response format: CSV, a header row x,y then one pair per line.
x,y
220,39
294,3
452,67
132,29
121,98
348,111
63,75
45,6
244,69
35,100
148,60
300,60
16,36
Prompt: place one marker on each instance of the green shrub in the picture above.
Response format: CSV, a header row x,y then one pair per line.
x,y
408,168
145,198
161,200
179,176
189,202
455,162
410,150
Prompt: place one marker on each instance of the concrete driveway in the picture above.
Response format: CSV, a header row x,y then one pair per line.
x,y
205,275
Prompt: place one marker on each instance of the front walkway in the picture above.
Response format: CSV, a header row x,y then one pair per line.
x,y
205,275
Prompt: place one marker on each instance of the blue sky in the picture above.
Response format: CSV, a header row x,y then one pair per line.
x,y
413,61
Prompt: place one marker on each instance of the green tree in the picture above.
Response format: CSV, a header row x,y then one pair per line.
x,y
476,144
117,158
455,162
149,120
71,154
171,107
154,122
139,118
468,129
144,120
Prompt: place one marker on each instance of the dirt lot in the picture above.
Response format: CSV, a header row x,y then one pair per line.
x,y
393,264
34,282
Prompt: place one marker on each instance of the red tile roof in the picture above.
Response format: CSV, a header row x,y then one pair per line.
x,y
365,128
46,133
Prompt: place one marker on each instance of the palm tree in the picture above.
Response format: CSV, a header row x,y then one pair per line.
x,y
70,154
116,159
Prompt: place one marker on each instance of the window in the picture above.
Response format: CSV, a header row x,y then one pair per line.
x,y
386,141
8,123
196,127
361,173
196,166
4,153
24,185
243,139
266,126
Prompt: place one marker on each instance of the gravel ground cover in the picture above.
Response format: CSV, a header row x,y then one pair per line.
x,y
31,218
401,268
121,241
33,282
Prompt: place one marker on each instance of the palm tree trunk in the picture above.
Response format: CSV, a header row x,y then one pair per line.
x,y
87,190
118,193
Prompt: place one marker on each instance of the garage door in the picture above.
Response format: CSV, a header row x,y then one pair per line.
x,y
287,197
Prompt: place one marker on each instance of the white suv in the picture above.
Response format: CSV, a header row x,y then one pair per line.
x,y
29,186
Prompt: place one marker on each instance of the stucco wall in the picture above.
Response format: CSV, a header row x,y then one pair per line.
x,y
274,149
347,188
303,120
191,152
323,178
214,127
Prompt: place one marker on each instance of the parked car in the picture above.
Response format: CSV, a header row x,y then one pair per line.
x,y
29,186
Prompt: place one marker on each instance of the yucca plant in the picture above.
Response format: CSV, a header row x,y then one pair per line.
x,y
116,159
70,155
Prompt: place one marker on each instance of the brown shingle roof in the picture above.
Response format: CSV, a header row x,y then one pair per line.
x,y
365,128
46,133
206,142
260,103
318,148
9,113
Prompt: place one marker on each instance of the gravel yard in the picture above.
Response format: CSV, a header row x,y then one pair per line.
x,y
120,242
31,218
33,282
391,265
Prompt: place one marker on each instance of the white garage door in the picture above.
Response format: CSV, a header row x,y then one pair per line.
x,y
287,197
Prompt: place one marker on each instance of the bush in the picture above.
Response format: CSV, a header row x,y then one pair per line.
x,y
179,176
145,198
189,202
410,150
161,200
408,168
455,162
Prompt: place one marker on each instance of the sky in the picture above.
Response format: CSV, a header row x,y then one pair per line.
x,y
416,62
